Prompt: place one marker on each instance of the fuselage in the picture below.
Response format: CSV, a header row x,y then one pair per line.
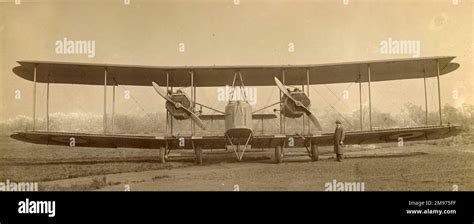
x,y
238,119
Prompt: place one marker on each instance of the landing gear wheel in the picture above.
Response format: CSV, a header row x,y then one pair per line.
x,y
198,152
314,153
162,153
278,154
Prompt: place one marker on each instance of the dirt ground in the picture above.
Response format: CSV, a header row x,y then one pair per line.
x,y
417,167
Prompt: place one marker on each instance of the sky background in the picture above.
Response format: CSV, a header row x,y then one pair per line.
x,y
220,32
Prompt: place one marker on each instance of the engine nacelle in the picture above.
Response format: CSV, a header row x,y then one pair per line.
x,y
289,108
179,113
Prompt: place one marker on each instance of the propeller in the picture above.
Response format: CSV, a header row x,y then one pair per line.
x,y
308,112
178,105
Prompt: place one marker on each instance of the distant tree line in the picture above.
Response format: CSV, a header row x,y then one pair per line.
x,y
155,123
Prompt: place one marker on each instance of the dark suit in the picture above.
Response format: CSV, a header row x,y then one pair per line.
x,y
338,137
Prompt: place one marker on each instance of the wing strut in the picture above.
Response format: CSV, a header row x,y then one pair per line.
x,y
370,98
360,104
34,99
105,100
439,93
113,108
307,85
47,105
426,97
242,86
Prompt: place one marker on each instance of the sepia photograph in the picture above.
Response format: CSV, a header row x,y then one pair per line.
x,y
236,95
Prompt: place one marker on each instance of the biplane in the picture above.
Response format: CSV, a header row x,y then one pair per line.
x,y
238,115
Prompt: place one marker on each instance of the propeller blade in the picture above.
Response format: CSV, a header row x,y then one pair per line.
x,y
312,117
315,121
195,118
283,89
162,93
165,95
310,114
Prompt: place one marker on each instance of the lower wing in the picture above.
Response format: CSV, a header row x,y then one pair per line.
x,y
261,141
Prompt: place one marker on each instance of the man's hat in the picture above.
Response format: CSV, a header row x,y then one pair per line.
x,y
338,122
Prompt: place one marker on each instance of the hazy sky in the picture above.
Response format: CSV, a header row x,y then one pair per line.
x,y
221,32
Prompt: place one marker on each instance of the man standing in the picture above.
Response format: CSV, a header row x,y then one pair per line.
x,y
339,141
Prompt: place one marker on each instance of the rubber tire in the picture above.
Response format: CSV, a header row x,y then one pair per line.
x,y
314,153
162,152
278,154
198,152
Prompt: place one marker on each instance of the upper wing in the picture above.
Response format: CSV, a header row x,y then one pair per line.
x,y
207,76
266,141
